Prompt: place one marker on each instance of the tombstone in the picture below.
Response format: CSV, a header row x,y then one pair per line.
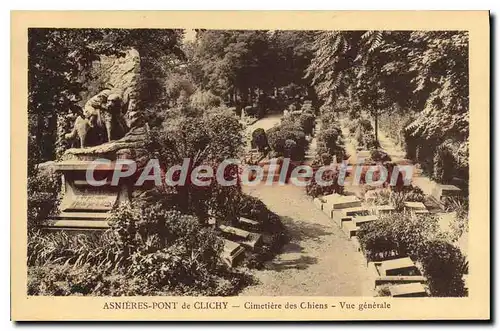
x,y
384,209
408,290
414,206
247,239
232,253
336,201
399,267
249,224
318,203
441,191
83,206
350,228
359,220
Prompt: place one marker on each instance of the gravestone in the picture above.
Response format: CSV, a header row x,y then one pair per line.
x,y
247,239
441,191
408,290
358,220
399,267
337,201
415,206
232,253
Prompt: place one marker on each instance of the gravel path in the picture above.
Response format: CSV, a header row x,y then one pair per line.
x,y
319,260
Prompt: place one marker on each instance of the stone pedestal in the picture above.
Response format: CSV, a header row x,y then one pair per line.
x,y
84,206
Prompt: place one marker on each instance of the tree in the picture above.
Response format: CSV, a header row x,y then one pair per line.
x,y
58,63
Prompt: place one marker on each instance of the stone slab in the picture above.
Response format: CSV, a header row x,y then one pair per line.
x,y
384,209
250,240
91,202
358,220
408,290
230,230
414,205
398,267
318,203
76,224
381,280
441,191
232,252
337,201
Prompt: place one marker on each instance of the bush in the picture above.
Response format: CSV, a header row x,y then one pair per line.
x,y
307,122
379,156
204,100
444,165
287,130
44,187
329,140
402,234
314,189
444,266
164,251
259,140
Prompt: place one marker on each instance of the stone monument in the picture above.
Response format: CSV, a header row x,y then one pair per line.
x,y
113,114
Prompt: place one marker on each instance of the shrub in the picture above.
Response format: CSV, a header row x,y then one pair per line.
x,y
460,223
329,140
288,130
379,156
259,140
314,189
401,234
444,266
44,186
307,122
204,100
444,164
328,119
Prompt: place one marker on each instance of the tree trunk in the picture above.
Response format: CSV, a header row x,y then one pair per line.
x,y
376,125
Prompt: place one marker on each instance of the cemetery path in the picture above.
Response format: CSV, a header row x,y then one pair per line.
x,y
319,260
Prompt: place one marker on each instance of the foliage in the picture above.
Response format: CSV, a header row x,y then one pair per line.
x,y
59,62
288,130
403,234
259,140
460,223
444,164
44,186
307,122
162,251
330,178
205,100
444,266
329,141
204,139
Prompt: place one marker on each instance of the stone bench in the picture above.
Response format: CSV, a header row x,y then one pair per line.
x,y
415,206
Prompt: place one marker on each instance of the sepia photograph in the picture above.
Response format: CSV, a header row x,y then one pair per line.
x,y
204,162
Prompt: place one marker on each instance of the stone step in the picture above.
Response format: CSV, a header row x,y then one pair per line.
x,y
76,224
82,215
